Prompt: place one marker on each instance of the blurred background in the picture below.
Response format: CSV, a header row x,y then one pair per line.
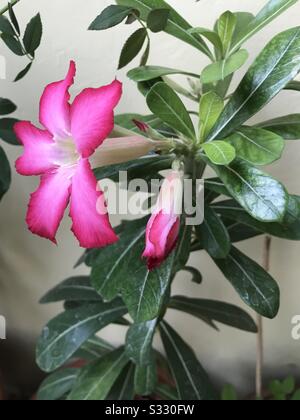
x,y
29,266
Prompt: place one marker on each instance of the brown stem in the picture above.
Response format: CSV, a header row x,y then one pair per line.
x,y
260,336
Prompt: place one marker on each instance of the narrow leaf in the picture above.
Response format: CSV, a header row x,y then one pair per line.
x,y
109,17
132,47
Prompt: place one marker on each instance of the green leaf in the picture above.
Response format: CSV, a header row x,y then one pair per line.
x,y
132,47
68,331
139,341
287,127
73,289
213,234
146,54
224,68
289,385
7,131
96,380
166,104
212,36
92,349
13,44
191,380
289,228
13,18
166,392
226,27
296,396
158,19
216,186
145,380
145,73
243,19
239,232
57,385
211,106
293,85
6,107
116,268
5,173
214,310
257,146
268,13
123,388
109,17
254,285
147,168
278,63
33,34
197,277
23,72
261,196
176,26
229,393
5,26
219,152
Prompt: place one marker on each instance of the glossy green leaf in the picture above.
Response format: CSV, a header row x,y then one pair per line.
x,y
158,19
57,385
33,34
65,334
243,19
183,249
7,131
123,388
219,152
254,285
224,68
191,379
215,311
166,392
211,106
93,349
213,234
132,47
6,107
6,26
109,17
5,173
145,380
263,197
257,146
289,228
212,36
73,289
97,379
13,44
166,104
144,73
288,127
239,232
196,275
226,27
139,341
267,14
176,26
277,64
216,186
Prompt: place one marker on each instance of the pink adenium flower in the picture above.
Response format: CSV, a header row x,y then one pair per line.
x,y
60,154
164,225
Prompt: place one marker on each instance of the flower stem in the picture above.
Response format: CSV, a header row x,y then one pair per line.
x,y
260,335
5,9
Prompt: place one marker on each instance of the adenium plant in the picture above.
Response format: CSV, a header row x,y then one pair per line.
x,y
242,201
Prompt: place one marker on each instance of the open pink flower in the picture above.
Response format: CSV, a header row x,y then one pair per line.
x,y
60,154
164,225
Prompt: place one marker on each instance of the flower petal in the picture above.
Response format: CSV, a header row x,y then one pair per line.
x,y
92,117
38,147
47,205
91,223
55,107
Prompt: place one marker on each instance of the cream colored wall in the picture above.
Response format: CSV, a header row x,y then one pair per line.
x,y
29,265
